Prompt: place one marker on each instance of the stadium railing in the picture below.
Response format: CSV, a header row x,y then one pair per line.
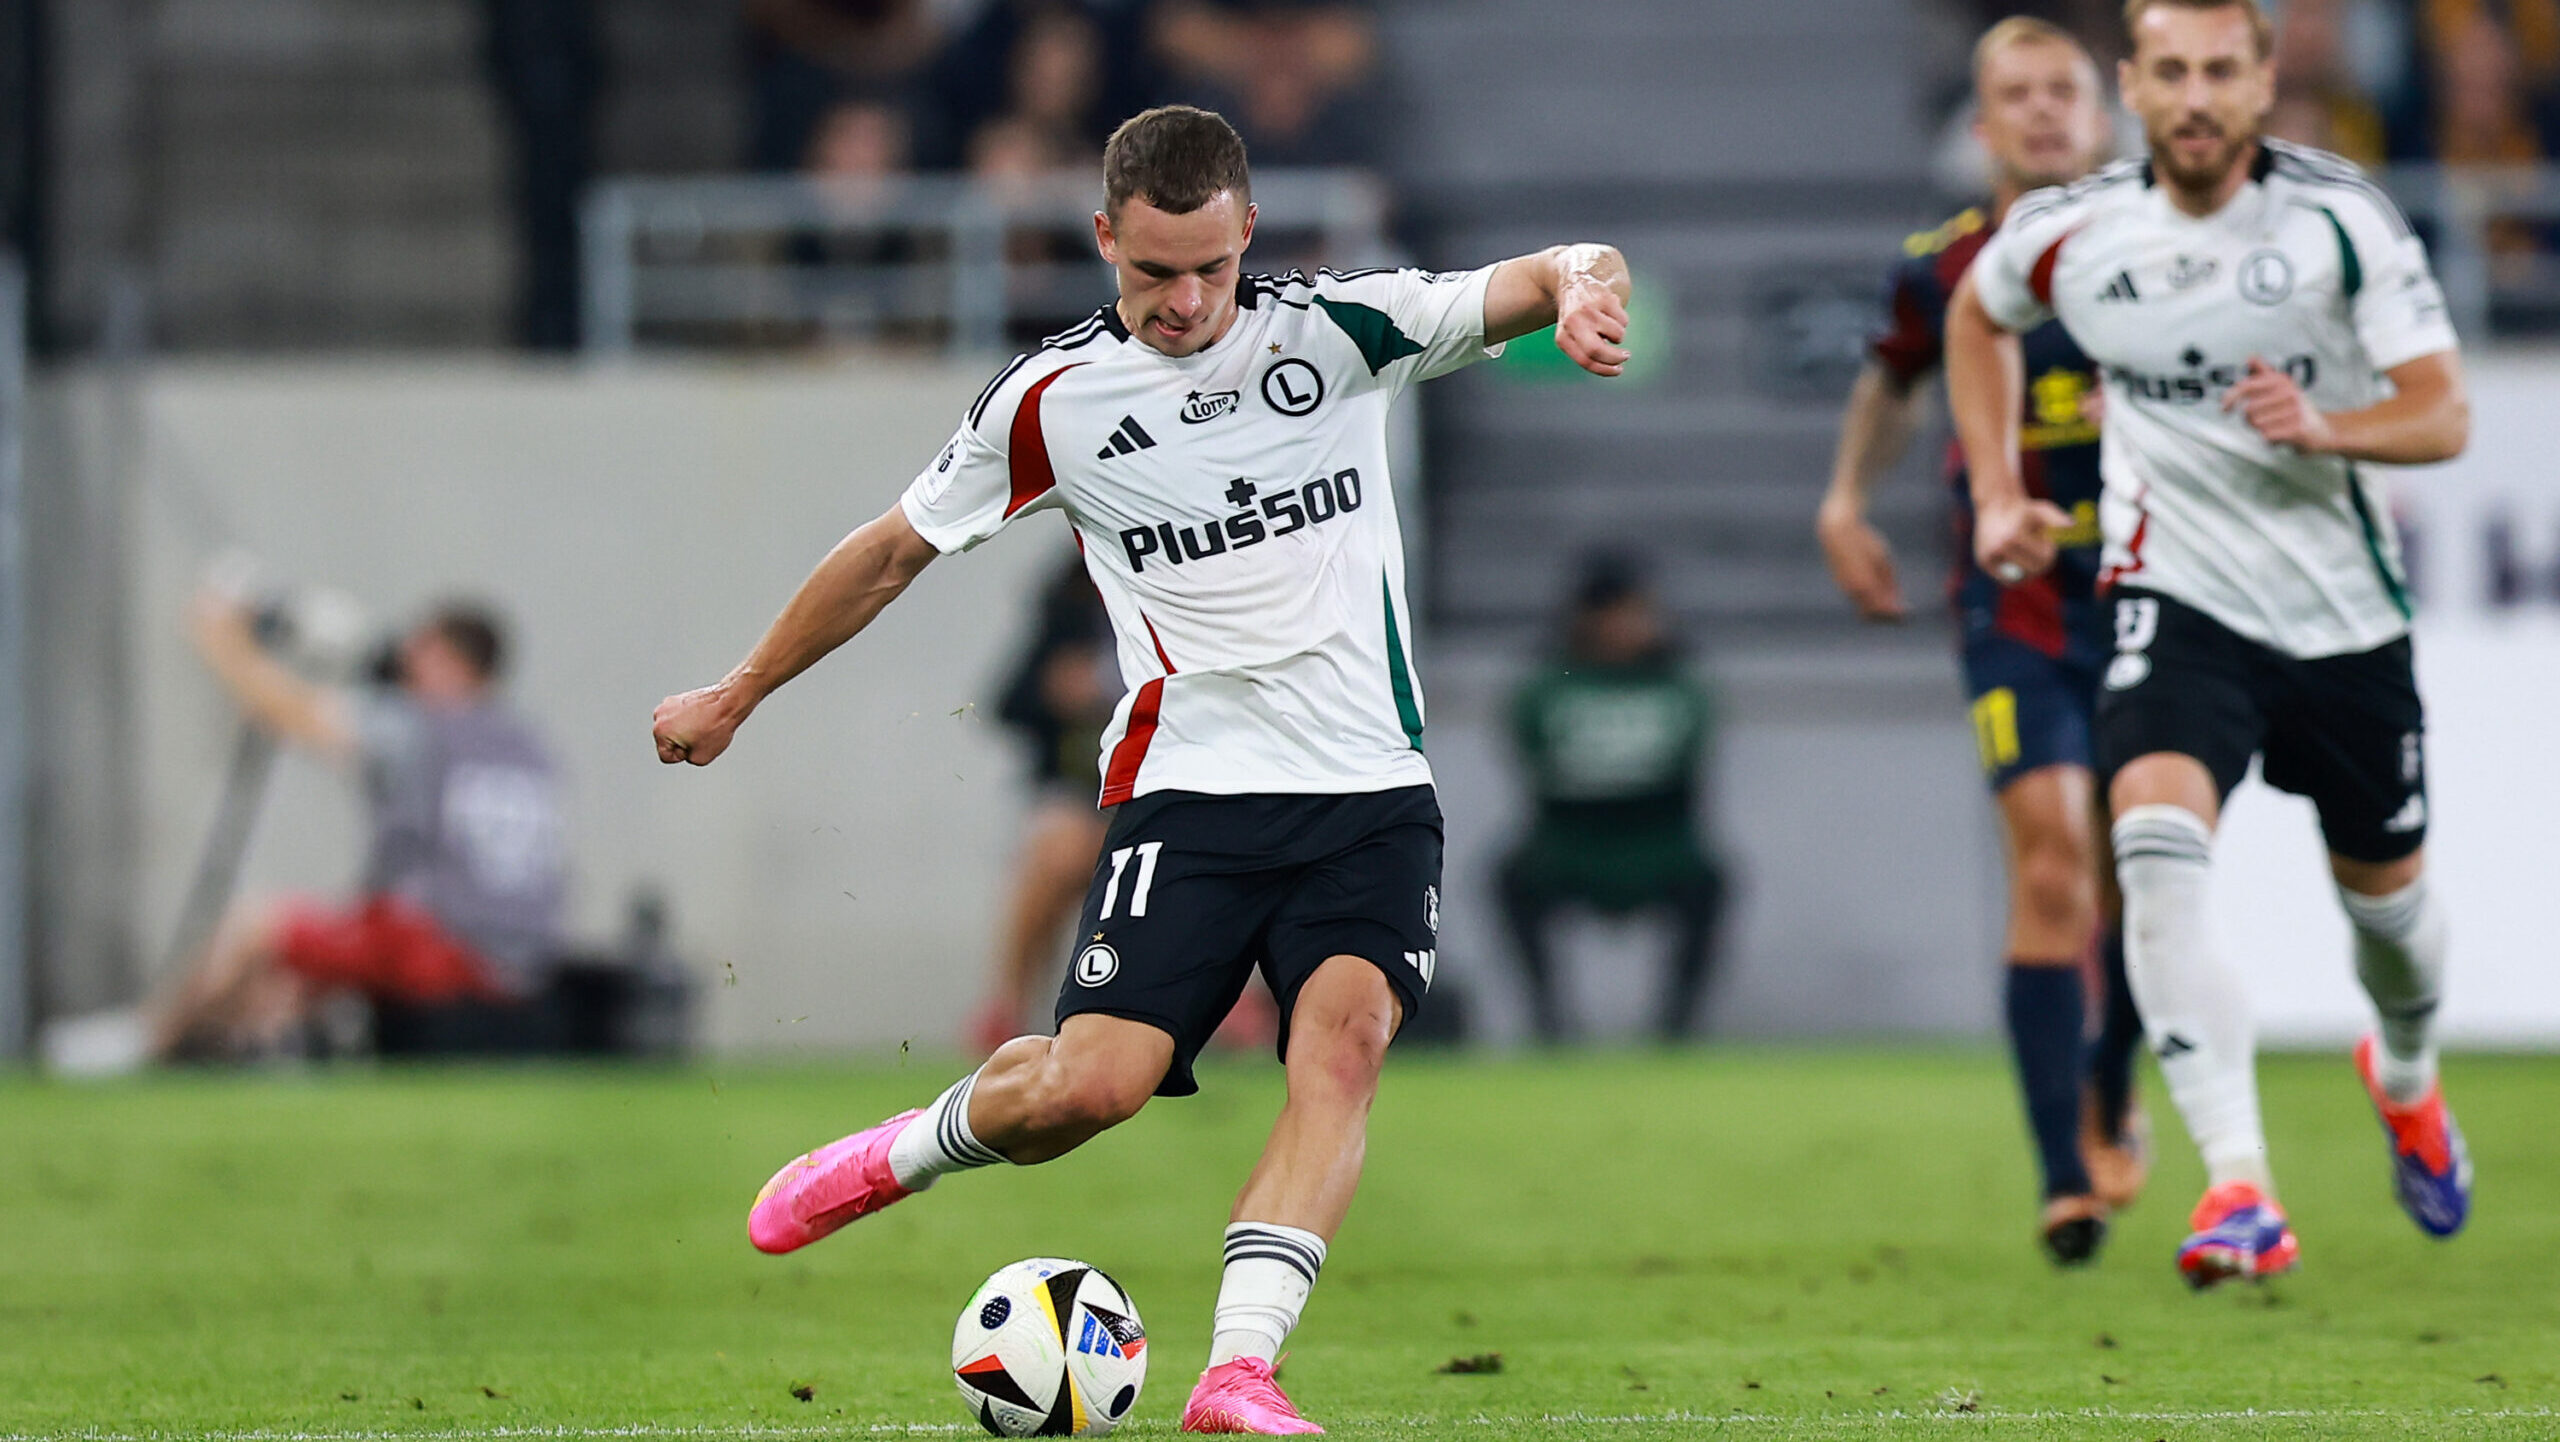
x,y
2459,209
759,260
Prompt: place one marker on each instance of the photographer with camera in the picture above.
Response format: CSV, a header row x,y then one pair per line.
x,y
464,879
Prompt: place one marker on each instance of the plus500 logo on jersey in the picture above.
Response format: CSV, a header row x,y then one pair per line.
x,y
2201,382
1262,518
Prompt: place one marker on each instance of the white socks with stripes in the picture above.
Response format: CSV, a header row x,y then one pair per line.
x,y
940,1141
2193,1008
1270,1269
2400,946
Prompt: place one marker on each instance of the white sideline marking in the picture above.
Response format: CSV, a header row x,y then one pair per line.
x,y
1852,1422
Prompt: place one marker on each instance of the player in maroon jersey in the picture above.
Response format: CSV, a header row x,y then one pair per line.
x,y
2033,647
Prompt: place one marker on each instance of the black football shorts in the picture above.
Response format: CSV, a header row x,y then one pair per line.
x,y
1194,891
2347,732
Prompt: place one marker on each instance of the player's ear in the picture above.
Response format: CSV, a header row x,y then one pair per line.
x,y
1102,237
1250,211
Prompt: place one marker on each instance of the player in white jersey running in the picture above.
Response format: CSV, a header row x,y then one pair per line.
x,y
2267,323
1218,443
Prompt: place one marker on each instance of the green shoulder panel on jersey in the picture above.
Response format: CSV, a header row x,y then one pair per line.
x,y
2350,269
1400,675
1381,343
1957,227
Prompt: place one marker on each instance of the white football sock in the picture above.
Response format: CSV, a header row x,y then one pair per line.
x,y
940,1141
2193,1008
1270,1270
2400,945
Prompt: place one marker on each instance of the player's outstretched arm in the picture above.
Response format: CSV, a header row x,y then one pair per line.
x,y
1581,290
1882,416
861,576
2427,419
1986,373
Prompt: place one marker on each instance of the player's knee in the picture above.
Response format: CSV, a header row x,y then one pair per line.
x,y
1064,1097
1090,1102
1338,1033
2057,886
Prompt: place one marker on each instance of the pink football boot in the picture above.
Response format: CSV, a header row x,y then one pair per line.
x,y
815,1194
1243,1396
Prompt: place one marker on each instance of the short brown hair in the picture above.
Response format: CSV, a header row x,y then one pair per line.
x,y
2022,30
2259,27
1175,158
475,633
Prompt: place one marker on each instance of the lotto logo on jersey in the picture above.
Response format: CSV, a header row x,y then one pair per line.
x,y
1259,518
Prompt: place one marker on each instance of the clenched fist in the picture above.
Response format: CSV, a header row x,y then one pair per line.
x,y
696,726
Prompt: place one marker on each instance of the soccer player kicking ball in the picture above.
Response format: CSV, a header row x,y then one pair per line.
x,y
2268,324
2032,651
1218,442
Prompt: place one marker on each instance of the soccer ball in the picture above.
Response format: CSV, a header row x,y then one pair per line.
x,y
1049,1348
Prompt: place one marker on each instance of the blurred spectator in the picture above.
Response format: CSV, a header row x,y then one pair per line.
x,y
2319,100
2486,105
1044,138
1016,150
859,140
1613,735
2487,112
542,59
1079,66
857,152
1057,701
2509,48
466,871
1056,77
809,56
1293,75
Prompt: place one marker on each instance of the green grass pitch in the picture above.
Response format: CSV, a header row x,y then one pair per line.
x,y
1738,1242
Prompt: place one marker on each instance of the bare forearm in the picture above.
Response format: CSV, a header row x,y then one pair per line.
x,y
1875,431
857,580
271,695
1986,373
2406,430
1530,293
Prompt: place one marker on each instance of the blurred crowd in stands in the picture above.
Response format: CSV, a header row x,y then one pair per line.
x,y
2470,85
2384,82
1005,90
1008,88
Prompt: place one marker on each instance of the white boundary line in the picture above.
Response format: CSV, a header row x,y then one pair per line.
x,y
645,1432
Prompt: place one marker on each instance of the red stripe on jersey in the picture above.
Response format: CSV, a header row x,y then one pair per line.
x,y
1121,781
1028,448
2040,275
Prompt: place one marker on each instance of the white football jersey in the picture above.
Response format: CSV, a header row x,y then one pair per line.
x,y
2310,268
1235,512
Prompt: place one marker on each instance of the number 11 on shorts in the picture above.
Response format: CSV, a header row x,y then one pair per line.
x,y
1146,852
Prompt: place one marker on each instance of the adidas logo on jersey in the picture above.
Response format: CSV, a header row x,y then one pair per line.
x,y
1130,436
2120,288
2175,1045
